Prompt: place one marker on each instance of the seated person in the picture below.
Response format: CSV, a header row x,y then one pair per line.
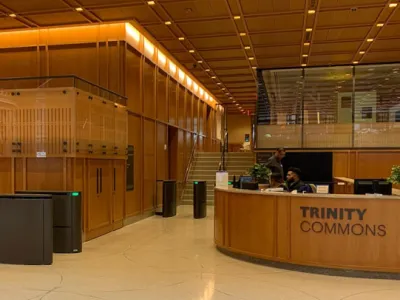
x,y
276,181
294,183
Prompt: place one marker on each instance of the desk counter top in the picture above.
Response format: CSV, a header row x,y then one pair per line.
x,y
352,232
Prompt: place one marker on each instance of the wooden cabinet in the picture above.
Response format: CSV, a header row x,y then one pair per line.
x,y
118,192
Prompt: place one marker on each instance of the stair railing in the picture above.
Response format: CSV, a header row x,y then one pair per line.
x,y
189,166
224,150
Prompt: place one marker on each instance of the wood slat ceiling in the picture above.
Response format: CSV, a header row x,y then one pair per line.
x,y
275,31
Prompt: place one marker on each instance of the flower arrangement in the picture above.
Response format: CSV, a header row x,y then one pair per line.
x,y
260,173
395,175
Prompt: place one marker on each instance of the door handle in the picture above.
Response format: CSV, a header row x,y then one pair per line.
x,y
101,180
97,180
115,174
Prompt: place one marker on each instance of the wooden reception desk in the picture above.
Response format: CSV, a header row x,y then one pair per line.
x,y
353,232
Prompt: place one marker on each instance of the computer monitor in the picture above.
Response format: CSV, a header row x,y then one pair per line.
x,y
372,186
244,179
249,185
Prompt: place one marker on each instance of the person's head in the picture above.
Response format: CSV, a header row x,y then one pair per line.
x,y
280,153
276,179
293,175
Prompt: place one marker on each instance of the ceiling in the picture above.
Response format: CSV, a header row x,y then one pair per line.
x,y
279,33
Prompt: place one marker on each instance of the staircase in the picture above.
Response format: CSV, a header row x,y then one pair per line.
x,y
204,166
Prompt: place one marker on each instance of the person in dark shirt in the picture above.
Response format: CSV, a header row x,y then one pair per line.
x,y
294,183
274,163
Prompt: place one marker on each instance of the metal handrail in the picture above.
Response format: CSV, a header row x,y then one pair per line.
x,y
190,162
75,81
224,150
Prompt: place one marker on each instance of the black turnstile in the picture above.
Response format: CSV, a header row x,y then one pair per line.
x,y
26,229
168,198
199,199
67,220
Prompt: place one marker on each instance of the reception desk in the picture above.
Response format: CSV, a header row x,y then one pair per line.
x,y
352,232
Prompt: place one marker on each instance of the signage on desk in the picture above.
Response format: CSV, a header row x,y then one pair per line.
x,y
338,221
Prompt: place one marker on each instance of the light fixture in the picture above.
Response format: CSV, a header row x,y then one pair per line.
x,y
305,55
308,29
233,101
151,2
181,38
251,58
370,40
227,94
380,25
243,34
79,9
311,11
306,44
219,83
199,61
355,62
207,70
191,51
392,5
213,77
362,52
231,98
223,89
12,15
247,47
236,17
237,104
304,65
254,68
168,23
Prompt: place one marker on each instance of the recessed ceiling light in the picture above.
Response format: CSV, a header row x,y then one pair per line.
x,y
213,77
151,2
380,25
227,94
191,51
306,44
231,98
223,89
370,40
218,83
234,101
355,62
305,55
168,22
243,34
236,17
200,61
237,104
308,29
304,65
254,68
311,11
79,9
207,70
251,58
362,52
247,47
392,5
181,38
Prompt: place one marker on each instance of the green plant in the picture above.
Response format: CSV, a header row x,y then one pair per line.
x,y
260,173
395,175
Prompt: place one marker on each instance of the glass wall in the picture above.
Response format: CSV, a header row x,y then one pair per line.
x,y
329,107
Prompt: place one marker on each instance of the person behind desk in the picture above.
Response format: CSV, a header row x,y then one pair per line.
x,y
274,163
294,183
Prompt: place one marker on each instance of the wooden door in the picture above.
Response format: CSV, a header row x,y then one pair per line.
x,y
118,191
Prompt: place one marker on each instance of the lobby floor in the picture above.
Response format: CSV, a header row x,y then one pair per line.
x,y
174,259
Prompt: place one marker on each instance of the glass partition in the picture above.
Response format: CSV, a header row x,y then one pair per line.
x,y
329,107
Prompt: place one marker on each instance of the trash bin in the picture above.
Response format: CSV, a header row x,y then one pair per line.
x,y
67,220
199,199
167,190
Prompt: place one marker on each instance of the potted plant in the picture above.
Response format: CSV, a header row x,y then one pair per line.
x,y
394,177
260,173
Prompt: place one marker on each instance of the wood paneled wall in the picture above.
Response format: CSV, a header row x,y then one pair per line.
x,y
156,103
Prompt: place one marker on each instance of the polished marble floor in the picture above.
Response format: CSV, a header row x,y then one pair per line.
x,y
174,259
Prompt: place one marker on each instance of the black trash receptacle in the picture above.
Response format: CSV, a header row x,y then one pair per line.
x,y
67,220
168,198
199,199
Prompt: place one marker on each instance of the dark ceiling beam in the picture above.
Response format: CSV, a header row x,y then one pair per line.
x,y
21,19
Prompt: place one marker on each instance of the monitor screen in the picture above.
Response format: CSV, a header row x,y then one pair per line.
x,y
244,179
372,186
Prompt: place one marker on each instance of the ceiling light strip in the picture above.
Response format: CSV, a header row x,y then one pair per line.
x,y
304,55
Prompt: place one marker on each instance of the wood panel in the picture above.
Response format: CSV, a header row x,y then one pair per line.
x,y
45,174
172,101
181,107
162,152
5,178
133,80
19,63
133,201
149,165
118,191
149,95
189,111
162,103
